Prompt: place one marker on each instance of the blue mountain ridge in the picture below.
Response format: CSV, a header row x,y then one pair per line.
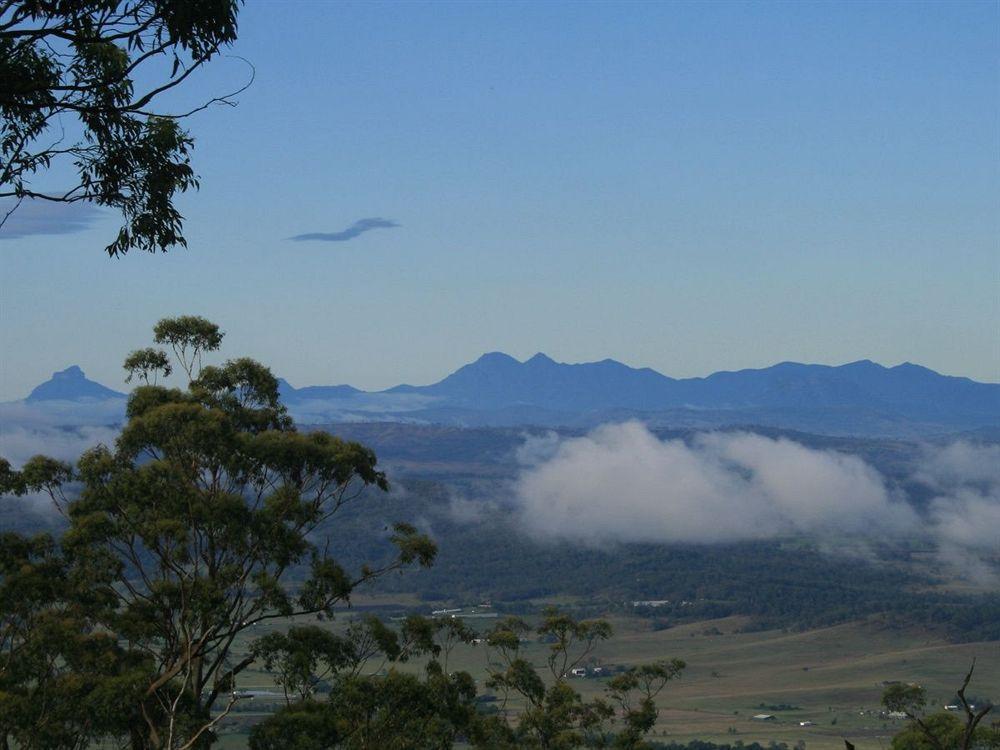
x,y
497,381
500,384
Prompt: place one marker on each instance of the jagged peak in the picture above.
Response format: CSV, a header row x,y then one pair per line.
x,y
69,385
74,372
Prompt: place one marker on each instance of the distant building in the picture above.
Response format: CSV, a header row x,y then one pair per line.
x,y
262,694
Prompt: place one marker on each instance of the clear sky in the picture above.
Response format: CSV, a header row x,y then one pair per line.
x,y
691,187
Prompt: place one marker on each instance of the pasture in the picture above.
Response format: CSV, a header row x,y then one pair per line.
x,y
831,676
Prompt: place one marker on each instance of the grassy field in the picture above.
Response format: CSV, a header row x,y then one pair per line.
x,y
831,676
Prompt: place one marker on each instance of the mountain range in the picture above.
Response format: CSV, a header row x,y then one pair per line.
x,y
857,398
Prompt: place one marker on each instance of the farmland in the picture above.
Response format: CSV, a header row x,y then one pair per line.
x,y
830,676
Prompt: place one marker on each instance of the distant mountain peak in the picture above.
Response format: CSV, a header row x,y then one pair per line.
x,y
540,359
289,392
71,384
910,367
496,358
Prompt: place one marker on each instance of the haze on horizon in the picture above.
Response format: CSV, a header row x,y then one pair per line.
x,y
687,187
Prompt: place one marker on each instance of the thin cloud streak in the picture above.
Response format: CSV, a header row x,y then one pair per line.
x,y
34,217
357,228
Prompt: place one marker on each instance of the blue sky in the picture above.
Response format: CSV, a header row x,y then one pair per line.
x,y
691,187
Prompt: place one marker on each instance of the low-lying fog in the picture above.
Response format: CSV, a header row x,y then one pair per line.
x,y
621,483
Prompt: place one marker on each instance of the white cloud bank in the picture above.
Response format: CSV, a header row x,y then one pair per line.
x,y
965,514
19,443
622,483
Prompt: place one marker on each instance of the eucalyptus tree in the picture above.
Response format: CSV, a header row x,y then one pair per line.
x,y
63,682
306,657
81,91
371,704
198,525
189,336
943,730
147,363
551,714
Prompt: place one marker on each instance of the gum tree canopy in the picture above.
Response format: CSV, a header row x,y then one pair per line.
x,y
195,526
81,82
942,730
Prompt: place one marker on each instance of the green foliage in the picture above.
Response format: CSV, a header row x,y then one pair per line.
x,y
39,474
182,536
944,730
189,336
306,657
302,658
307,725
397,712
565,633
147,363
907,699
635,691
556,716
63,682
81,60
945,727
370,707
948,732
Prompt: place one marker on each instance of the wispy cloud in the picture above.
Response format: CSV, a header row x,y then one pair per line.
x,y
34,217
357,228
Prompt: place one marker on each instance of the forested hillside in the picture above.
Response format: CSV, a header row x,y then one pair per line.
x,y
456,485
